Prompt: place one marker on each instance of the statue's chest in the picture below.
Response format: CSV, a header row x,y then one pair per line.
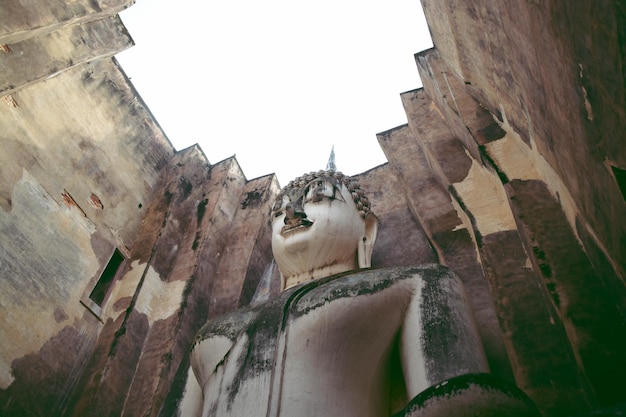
x,y
317,327
331,341
293,356
340,335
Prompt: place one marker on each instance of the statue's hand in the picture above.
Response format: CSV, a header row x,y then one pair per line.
x,y
471,395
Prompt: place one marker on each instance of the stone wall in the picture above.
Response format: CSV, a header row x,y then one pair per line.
x,y
508,171
553,77
189,263
75,186
81,156
535,93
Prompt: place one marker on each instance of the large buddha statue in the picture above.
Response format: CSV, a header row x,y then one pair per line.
x,y
343,339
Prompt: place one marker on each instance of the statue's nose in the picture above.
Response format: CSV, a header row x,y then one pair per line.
x,y
294,211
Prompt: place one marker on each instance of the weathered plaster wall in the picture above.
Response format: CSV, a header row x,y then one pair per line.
x,y
80,158
516,316
44,56
396,221
23,20
448,227
512,82
73,187
553,74
505,172
205,232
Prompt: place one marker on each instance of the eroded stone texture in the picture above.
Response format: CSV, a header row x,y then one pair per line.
x,y
55,243
396,222
249,234
177,286
451,234
44,56
507,172
580,294
531,326
23,21
208,290
57,366
502,250
541,69
517,158
105,381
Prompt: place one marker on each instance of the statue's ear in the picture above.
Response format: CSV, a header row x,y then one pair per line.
x,y
366,245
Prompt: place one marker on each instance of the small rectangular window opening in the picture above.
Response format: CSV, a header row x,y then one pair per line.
x,y
620,177
101,289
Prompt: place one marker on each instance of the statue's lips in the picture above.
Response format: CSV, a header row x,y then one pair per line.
x,y
296,224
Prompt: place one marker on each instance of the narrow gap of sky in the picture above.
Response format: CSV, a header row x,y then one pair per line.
x,y
276,83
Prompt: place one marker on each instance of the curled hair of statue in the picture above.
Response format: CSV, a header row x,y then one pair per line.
x,y
334,177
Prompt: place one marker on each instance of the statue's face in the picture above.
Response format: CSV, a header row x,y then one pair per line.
x,y
317,226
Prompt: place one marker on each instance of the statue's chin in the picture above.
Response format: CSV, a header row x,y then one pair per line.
x,y
295,243
317,273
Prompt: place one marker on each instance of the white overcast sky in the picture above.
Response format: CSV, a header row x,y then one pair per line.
x,y
276,83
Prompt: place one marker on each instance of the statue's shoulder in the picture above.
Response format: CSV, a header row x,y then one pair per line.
x,y
367,281
229,325
376,279
233,324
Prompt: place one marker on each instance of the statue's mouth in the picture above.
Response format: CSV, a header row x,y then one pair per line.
x,y
297,223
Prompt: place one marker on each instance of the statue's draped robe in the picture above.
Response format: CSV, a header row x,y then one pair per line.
x,y
355,344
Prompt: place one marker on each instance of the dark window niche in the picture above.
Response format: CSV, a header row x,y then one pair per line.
x,y
620,177
99,292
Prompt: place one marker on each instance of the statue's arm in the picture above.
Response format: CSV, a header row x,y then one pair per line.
x,y
439,339
443,359
191,403
207,355
211,348
411,346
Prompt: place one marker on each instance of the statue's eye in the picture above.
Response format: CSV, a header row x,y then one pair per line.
x,y
317,195
319,190
279,206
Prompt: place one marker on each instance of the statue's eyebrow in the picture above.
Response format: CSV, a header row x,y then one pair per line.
x,y
278,207
319,182
293,190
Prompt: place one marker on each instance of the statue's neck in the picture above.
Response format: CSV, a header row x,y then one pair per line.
x,y
323,272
